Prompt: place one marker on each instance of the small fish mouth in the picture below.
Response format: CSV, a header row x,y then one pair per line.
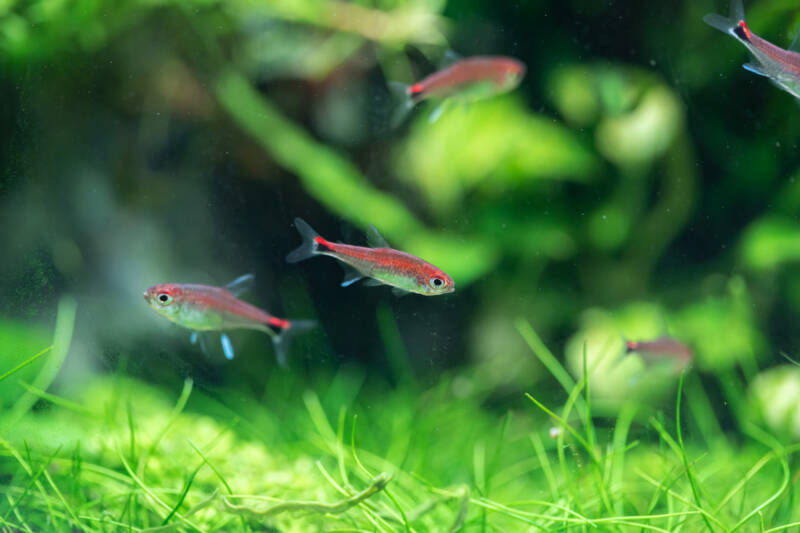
x,y
146,296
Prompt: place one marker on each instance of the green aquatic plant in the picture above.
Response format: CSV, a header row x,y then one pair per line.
x,y
117,453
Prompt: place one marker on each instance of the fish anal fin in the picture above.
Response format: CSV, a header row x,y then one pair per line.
x,y
399,292
241,284
375,239
755,69
437,113
351,275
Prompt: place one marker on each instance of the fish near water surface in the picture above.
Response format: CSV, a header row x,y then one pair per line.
x,y
467,79
380,263
781,66
204,308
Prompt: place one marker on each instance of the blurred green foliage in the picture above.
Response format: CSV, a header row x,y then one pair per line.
x,y
638,184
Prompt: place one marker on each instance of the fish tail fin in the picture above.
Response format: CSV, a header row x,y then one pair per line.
x,y
733,24
281,339
404,102
720,22
311,242
630,346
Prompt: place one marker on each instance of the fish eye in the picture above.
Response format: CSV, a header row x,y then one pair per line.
x,y
436,283
164,298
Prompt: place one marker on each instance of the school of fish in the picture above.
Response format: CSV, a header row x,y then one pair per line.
x,y
205,308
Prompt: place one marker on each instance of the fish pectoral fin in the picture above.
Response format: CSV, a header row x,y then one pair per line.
x,y
241,284
227,346
755,69
351,275
375,239
399,292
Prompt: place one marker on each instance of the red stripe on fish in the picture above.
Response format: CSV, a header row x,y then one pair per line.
x,y
789,60
215,298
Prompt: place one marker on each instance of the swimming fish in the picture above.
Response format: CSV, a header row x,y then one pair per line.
x,y
382,264
662,349
781,66
468,79
207,308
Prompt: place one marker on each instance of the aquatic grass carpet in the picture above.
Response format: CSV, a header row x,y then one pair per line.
x,y
120,455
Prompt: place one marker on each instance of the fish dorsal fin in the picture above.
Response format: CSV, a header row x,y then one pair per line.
x,y
241,284
375,239
449,58
795,46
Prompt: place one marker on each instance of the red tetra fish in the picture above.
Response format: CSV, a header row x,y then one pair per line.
x,y
468,79
663,349
781,66
382,264
208,308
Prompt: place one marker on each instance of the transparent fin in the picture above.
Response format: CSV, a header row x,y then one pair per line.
x,y
281,340
227,347
371,282
375,239
399,292
795,46
737,10
351,275
203,346
437,113
193,337
309,247
721,23
450,57
241,284
403,102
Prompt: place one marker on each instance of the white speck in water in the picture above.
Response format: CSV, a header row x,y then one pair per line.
x,y
604,217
